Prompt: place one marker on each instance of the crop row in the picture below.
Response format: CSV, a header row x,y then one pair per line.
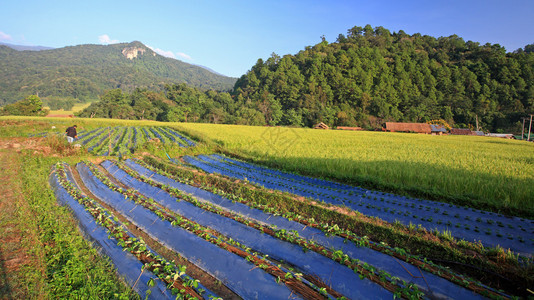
x,y
470,224
203,245
496,267
120,141
177,282
217,230
305,233
289,236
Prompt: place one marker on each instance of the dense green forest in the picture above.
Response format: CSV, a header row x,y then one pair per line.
x,y
81,73
366,78
371,76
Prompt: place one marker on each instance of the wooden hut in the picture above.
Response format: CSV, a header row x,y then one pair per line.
x,y
321,125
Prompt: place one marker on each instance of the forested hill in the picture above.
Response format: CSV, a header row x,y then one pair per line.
x,y
86,71
372,75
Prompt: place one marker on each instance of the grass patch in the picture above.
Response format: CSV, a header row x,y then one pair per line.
x,y
73,268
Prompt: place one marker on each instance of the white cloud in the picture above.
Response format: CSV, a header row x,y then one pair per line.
x,y
105,39
170,53
4,36
164,53
183,55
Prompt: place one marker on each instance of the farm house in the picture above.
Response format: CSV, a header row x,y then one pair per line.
x,y
438,129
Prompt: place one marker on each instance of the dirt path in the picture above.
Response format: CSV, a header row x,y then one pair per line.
x,y
18,232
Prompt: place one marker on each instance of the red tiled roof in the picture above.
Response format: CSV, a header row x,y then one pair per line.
x,y
462,131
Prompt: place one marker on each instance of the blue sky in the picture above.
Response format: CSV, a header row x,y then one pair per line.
x,y
229,36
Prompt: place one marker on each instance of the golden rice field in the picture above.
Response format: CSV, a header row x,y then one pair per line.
x,y
76,108
487,170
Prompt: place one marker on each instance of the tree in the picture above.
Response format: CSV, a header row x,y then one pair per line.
x,y
30,106
175,114
292,118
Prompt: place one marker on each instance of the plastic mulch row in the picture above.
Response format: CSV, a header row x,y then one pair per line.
x,y
309,262
236,273
439,287
469,224
128,266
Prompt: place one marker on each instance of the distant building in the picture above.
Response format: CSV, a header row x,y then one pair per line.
x,y
438,129
462,131
408,127
321,125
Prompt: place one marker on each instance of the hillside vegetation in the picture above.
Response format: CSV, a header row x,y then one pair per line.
x,y
367,78
372,75
86,71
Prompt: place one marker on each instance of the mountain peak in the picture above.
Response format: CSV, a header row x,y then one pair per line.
x,y
136,49
86,71
137,44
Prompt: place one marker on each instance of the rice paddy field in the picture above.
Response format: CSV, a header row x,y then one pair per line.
x,y
76,108
484,172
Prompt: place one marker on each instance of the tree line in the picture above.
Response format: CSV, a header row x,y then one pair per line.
x,y
177,103
29,106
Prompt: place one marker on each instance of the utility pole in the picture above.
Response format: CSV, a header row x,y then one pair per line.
x,y
523,129
477,121
529,127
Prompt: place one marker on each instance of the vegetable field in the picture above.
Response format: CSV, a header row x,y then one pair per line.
x,y
124,140
472,225
253,250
